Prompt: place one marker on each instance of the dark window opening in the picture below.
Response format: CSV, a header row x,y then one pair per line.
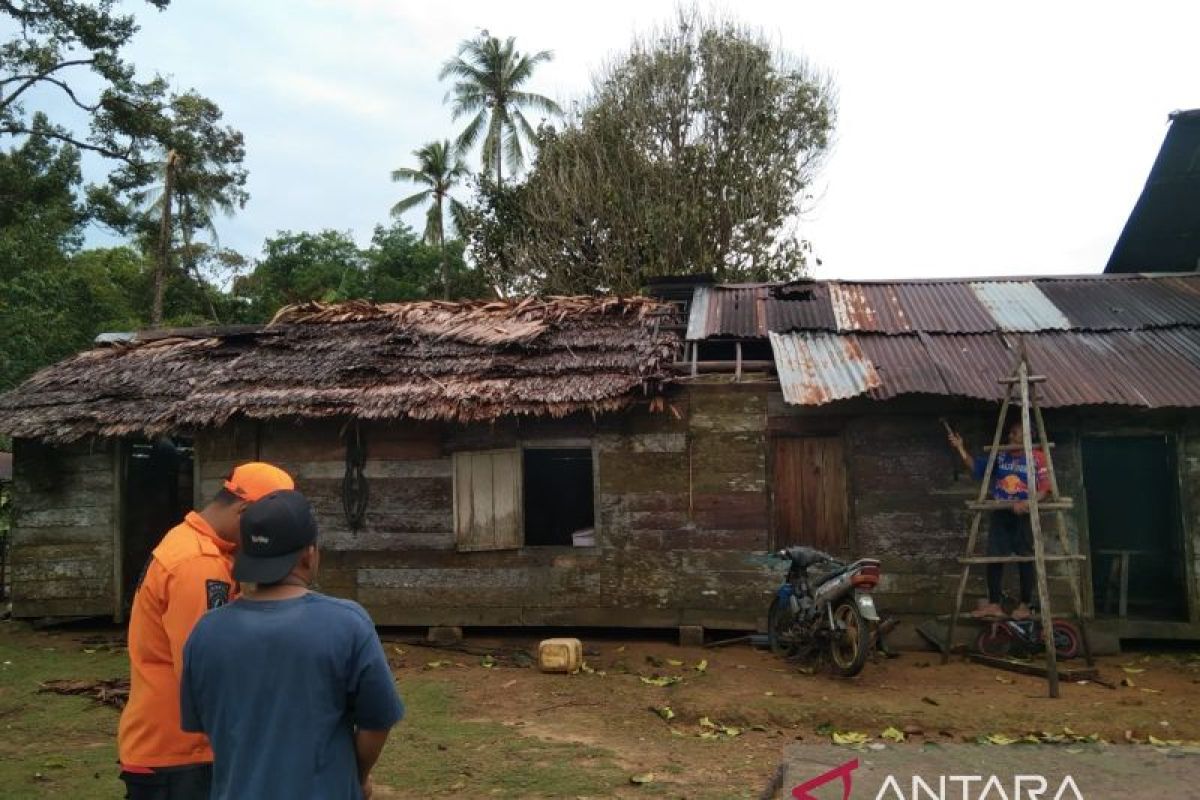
x,y
157,490
559,497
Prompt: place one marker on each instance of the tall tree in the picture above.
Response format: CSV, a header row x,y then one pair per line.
x,y
488,75
200,176
692,155
439,169
73,48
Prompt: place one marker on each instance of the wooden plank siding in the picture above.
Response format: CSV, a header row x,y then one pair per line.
x,y
62,547
685,501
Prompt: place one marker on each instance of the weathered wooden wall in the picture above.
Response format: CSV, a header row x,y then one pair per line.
x,y
63,536
683,501
681,518
907,495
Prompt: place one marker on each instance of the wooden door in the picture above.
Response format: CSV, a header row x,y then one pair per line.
x,y
809,493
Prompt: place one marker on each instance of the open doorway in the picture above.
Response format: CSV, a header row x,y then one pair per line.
x,y
1137,550
157,494
559,497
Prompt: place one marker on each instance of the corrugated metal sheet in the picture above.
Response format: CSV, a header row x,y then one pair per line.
x,y
1157,368
945,308
750,311
1019,306
698,315
818,368
867,307
1094,303
1126,304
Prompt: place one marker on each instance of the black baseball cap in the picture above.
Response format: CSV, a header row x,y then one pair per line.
x,y
275,531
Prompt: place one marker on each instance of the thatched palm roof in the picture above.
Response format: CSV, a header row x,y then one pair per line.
x,y
459,362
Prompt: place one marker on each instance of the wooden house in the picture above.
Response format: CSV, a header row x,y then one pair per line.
x,y
587,462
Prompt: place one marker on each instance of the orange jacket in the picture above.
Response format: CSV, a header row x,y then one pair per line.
x,y
189,573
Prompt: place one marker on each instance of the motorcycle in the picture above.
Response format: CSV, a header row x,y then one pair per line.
x,y
834,611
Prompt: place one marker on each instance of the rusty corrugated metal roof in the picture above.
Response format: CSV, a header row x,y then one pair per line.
x,y
817,368
947,306
1153,368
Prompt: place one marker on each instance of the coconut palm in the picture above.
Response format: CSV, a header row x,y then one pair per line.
x,y
439,169
488,75
183,202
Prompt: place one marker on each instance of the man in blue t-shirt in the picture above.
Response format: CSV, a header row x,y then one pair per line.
x,y
291,687
1010,532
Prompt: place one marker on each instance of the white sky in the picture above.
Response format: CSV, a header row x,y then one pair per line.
x,y
974,138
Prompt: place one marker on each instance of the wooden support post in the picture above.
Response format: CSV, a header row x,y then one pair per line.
x,y
1060,522
695,358
1039,548
737,376
976,521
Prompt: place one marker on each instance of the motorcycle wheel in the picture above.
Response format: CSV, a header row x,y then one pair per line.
x,y
779,629
849,641
995,640
1066,640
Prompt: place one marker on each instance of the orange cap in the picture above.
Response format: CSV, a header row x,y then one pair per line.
x,y
257,479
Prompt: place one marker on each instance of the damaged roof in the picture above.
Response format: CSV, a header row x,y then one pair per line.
x,y
1082,302
1129,340
455,362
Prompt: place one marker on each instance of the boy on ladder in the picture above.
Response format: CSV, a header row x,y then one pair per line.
x,y
1010,531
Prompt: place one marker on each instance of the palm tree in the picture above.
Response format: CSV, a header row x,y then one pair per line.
x,y
183,202
439,169
488,76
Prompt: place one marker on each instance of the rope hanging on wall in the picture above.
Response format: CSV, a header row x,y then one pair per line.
x,y
355,490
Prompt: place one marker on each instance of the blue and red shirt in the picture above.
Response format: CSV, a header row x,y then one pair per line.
x,y
1010,476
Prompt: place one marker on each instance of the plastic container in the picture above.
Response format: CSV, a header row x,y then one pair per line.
x,y
560,655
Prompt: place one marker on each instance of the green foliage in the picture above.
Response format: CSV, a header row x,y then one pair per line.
x,y
49,314
692,156
402,267
488,75
301,267
329,267
74,48
40,220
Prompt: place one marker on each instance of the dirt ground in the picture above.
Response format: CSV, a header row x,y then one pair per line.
x,y
681,722
769,704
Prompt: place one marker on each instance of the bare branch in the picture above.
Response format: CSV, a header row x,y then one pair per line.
x,y
31,80
127,155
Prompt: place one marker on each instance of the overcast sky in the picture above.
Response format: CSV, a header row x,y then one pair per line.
x,y
973,138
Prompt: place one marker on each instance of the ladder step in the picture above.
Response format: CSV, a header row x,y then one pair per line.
x,y
1031,379
1018,559
1062,504
1012,448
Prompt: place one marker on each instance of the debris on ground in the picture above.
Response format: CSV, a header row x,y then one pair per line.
x,y
110,691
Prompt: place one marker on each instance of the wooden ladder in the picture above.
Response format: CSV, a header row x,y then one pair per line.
x,y
1023,384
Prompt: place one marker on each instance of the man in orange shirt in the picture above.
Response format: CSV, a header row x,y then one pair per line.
x,y
189,573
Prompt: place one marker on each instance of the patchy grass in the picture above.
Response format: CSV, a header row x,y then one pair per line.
x,y
50,745
437,752
56,746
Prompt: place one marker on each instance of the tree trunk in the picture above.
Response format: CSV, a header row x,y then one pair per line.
x,y
164,243
442,242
